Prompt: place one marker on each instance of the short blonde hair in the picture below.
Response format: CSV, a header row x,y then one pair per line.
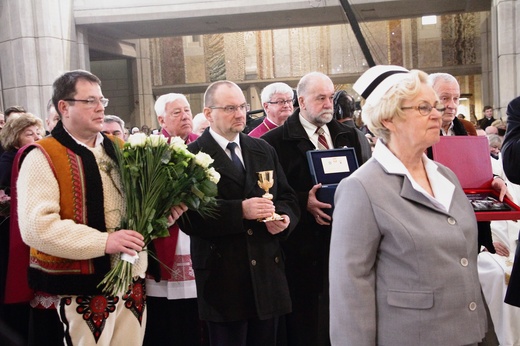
x,y
389,106
14,127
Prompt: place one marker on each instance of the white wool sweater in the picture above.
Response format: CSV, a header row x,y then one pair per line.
x,y
40,223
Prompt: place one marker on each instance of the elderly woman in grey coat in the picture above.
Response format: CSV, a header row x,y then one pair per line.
x,y
403,259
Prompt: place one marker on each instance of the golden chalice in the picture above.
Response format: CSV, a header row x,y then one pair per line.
x,y
266,181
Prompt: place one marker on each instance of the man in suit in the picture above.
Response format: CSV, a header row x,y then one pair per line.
x,y
447,89
511,162
487,119
307,249
238,261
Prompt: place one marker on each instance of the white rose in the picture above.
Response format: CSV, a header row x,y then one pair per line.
x,y
177,144
203,159
213,175
156,140
137,139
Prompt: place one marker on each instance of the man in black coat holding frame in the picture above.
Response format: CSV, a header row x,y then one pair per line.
x,y
308,247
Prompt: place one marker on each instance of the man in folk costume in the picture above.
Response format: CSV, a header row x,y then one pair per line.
x,y
69,194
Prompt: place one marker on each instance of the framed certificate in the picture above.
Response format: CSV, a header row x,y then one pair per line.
x,y
328,167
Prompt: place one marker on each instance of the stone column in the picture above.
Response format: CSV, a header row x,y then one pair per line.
x,y
144,112
38,42
505,17
488,52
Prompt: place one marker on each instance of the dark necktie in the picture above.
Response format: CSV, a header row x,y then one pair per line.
x,y
238,164
322,141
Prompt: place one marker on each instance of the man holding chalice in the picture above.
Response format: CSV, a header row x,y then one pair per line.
x,y
239,267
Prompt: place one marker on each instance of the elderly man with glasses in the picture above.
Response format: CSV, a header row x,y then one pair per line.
x,y
277,100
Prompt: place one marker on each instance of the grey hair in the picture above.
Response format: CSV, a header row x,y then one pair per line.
x,y
114,119
440,76
494,140
275,88
160,104
307,79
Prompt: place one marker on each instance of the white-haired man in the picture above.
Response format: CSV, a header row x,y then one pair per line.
x,y
277,100
174,115
170,282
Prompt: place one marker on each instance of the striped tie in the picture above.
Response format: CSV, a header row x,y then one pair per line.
x,y
322,141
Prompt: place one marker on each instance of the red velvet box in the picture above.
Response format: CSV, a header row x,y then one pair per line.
x,y
469,158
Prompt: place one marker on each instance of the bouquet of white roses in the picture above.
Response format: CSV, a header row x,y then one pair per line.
x,y
156,176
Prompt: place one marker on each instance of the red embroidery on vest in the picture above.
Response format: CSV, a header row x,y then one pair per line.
x,y
78,187
72,203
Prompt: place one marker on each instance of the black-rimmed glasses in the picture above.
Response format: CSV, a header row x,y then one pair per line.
x,y
425,108
91,102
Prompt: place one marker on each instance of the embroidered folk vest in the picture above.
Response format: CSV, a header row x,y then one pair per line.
x,y
81,200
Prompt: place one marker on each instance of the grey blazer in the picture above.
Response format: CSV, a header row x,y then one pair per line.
x,y
402,271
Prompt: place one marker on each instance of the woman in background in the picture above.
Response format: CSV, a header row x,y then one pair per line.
x,y
19,130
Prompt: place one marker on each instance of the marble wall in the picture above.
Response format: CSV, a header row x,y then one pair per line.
x,y
287,54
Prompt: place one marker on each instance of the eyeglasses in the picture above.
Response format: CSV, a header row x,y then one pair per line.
x,y
232,109
91,102
281,102
425,108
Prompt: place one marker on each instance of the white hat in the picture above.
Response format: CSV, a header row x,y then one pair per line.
x,y
377,80
135,129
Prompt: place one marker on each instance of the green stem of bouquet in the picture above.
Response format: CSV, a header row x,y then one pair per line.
x,y
118,279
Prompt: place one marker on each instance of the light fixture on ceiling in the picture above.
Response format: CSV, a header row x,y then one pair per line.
x,y
429,20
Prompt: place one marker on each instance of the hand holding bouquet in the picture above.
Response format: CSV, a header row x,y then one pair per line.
x,y
156,176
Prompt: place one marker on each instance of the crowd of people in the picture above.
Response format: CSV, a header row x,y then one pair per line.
x,y
394,262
